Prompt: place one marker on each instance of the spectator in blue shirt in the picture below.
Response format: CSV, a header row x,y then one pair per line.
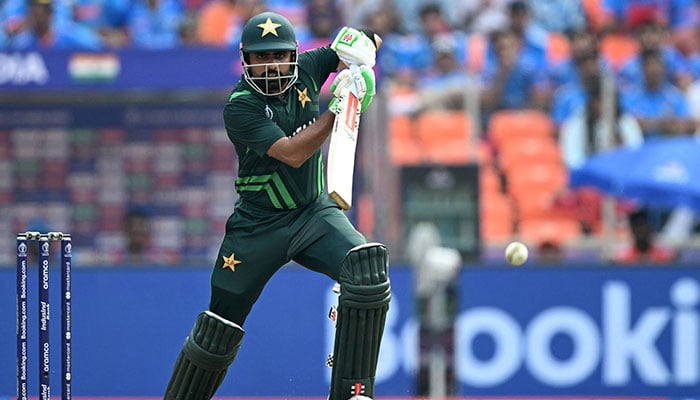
x,y
12,16
155,24
444,86
572,95
401,53
516,79
558,15
582,43
533,36
659,106
693,91
652,35
106,17
434,25
41,30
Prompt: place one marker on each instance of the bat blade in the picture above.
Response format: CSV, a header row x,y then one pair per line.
x,y
341,153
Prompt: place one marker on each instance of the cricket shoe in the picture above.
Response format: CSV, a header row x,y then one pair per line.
x,y
360,397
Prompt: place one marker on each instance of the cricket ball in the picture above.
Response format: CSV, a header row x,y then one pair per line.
x,y
516,253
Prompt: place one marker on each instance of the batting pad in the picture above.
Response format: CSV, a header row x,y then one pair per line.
x,y
204,359
363,303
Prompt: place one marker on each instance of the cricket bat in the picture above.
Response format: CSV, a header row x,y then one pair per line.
x,y
341,151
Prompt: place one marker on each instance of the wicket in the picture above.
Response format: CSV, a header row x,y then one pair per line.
x,y
44,240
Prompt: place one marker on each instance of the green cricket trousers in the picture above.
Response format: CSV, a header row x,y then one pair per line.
x,y
258,242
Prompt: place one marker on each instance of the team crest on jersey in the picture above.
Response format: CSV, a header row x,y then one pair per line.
x,y
231,262
268,112
303,96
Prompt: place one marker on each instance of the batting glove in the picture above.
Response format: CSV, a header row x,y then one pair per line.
x,y
359,80
354,47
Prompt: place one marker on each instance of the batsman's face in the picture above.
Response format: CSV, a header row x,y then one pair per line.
x,y
270,64
271,72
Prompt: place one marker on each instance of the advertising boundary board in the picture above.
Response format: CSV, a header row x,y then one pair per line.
x,y
129,324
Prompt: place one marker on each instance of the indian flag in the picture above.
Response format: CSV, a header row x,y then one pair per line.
x,y
90,67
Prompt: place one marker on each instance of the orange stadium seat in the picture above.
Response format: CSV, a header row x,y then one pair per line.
x,y
496,217
528,149
541,174
443,124
446,136
534,186
404,148
557,47
618,48
595,13
489,180
556,230
507,124
536,203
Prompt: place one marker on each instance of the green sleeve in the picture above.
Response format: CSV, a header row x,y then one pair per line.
x,y
319,63
248,127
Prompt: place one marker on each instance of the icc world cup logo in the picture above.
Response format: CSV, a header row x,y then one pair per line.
x,y
22,249
45,248
68,248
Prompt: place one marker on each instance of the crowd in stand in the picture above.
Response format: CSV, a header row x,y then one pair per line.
x,y
546,55
553,56
149,24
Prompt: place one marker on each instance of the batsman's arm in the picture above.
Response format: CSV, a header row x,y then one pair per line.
x,y
295,150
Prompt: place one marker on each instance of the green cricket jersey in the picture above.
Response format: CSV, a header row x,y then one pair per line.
x,y
254,122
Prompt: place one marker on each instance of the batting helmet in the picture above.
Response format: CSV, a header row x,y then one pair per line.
x,y
269,32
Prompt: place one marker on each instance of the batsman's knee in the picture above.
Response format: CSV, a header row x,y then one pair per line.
x,y
364,276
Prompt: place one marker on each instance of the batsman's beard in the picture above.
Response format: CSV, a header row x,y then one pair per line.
x,y
272,82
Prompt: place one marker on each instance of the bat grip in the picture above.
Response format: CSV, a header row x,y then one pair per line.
x,y
354,69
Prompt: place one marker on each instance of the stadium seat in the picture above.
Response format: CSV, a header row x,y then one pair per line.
x,y
507,124
528,149
443,124
534,203
618,48
446,137
496,217
534,187
489,180
536,175
404,148
557,47
595,13
557,230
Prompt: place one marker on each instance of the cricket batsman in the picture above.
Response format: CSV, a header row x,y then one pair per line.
x,y
284,214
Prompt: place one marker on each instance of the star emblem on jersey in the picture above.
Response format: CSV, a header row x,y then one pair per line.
x,y
231,262
269,27
303,96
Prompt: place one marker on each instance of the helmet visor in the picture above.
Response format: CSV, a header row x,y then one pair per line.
x,y
271,79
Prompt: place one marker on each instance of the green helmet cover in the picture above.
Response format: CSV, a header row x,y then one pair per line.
x,y
268,31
